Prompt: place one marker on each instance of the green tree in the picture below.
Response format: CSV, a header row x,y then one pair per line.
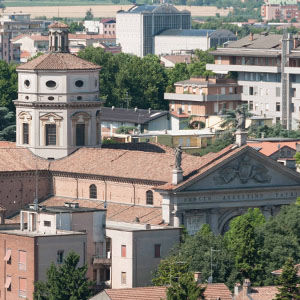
x,y
76,26
242,240
8,85
168,268
7,125
67,282
89,15
185,287
230,119
287,281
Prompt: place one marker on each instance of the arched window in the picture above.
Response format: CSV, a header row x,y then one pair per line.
x,y
149,197
93,191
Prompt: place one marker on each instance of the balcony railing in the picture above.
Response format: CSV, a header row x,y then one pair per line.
x,y
102,259
202,98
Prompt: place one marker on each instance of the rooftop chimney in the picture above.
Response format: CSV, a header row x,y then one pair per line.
x,y
237,289
246,287
241,138
198,277
251,36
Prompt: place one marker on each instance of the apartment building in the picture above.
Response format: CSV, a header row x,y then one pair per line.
x,y
137,27
12,25
27,252
136,250
267,67
202,97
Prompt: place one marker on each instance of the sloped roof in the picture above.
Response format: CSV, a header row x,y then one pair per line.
x,y
184,58
140,116
156,9
115,211
269,148
57,24
213,291
58,61
14,159
138,165
260,293
278,272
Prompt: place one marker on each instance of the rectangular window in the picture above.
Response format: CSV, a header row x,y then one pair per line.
x,y
123,251
223,91
194,90
230,90
256,106
292,107
8,283
251,91
50,134
278,92
182,106
173,106
47,223
22,260
80,134
123,278
157,250
277,120
22,288
25,133
189,107
267,106
277,106
7,256
219,60
267,92
60,256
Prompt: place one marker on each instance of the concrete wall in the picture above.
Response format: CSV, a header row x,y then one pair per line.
x,y
159,123
129,33
140,262
49,245
167,44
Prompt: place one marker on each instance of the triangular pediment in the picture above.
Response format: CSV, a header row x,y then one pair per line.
x,y
245,169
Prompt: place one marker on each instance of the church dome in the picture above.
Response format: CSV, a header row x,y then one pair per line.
x,y
58,61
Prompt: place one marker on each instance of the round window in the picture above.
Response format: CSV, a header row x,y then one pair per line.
x,y
51,84
27,83
79,83
26,97
50,98
79,98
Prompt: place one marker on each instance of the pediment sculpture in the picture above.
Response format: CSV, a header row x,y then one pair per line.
x,y
244,171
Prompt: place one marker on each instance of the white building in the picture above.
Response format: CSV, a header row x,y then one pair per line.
x,y
137,250
58,109
136,28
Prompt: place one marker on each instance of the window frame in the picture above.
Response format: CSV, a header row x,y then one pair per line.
x,y
93,193
149,197
48,135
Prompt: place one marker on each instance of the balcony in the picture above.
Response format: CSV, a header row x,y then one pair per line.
x,y
202,98
101,259
292,70
242,68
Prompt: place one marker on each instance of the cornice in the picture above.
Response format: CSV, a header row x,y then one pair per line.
x,y
58,105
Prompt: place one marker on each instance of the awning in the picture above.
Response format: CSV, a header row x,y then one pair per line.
x,y
7,255
8,282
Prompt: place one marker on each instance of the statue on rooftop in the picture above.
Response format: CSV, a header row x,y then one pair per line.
x,y
178,158
241,112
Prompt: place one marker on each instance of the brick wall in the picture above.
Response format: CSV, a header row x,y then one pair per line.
x,y
120,192
16,243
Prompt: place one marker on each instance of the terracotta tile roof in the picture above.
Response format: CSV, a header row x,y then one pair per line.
x,y
143,293
19,159
212,292
119,163
278,272
115,211
57,24
178,58
58,61
25,54
260,293
269,148
35,37
108,20
5,144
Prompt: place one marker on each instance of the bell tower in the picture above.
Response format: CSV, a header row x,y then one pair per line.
x,y
58,105
58,37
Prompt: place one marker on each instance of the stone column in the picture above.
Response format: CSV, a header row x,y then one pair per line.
x,y
214,220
